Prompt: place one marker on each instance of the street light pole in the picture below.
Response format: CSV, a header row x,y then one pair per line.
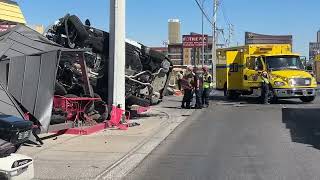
x,y
214,42
116,75
202,36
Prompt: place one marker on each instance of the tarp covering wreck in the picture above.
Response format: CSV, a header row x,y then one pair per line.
x,y
28,65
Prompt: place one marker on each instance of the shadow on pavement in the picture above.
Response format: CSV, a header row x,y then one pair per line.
x,y
172,107
144,115
304,125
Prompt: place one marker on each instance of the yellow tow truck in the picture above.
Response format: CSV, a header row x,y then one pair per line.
x,y
240,69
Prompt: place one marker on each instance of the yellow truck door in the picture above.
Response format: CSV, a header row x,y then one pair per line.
x,y
234,64
251,77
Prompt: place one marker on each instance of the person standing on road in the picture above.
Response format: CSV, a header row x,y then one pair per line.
x,y
186,85
179,79
265,90
198,87
207,85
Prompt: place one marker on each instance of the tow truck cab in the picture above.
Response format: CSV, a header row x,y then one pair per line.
x,y
239,72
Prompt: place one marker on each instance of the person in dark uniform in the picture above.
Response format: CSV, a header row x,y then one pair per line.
x,y
186,84
265,90
198,88
207,85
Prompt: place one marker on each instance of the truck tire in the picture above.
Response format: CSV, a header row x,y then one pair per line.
x,y
232,95
307,99
81,30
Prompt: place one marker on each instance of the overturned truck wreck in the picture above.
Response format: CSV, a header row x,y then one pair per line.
x,y
147,71
63,76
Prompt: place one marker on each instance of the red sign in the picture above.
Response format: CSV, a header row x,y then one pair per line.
x,y
194,41
4,27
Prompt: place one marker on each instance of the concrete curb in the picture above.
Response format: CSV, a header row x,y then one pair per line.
x,y
126,164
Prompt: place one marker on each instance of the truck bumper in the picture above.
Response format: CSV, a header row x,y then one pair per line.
x,y
296,92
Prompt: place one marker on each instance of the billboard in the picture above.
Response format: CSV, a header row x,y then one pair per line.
x,y
254,38
194,41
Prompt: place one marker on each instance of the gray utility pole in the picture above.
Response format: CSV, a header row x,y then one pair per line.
x,y
203,56
214,42
116,76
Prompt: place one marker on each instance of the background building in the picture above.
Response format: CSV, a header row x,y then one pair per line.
x,y
38,28
181,56
190,56
174,32
10,15
175,53
314,47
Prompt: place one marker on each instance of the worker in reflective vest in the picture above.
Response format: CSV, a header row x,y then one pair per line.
x,y
207,86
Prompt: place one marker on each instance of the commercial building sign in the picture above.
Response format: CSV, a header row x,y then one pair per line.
x,y
194,41
254,38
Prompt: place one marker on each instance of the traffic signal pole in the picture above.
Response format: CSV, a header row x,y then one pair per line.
x,y
116,74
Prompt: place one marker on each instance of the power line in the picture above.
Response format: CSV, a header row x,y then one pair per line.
x,y
224,14
204,13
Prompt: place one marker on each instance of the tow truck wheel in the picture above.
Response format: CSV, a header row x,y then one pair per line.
x,y
307,99
232,95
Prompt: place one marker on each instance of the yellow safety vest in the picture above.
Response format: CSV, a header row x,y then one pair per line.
x,y
206,84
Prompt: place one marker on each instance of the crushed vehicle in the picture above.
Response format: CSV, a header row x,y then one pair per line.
x,y
29,69
147,71
62,79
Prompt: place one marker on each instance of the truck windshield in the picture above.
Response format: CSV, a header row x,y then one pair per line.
x,y
283,62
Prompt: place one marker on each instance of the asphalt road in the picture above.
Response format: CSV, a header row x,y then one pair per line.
x,y
229,141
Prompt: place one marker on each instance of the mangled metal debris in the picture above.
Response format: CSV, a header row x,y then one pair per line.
x,y
63,76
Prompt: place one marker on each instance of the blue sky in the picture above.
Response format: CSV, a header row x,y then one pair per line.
x,y
147,19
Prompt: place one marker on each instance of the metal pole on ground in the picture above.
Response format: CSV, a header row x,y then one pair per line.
x,y
116,79
202,35
214,42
